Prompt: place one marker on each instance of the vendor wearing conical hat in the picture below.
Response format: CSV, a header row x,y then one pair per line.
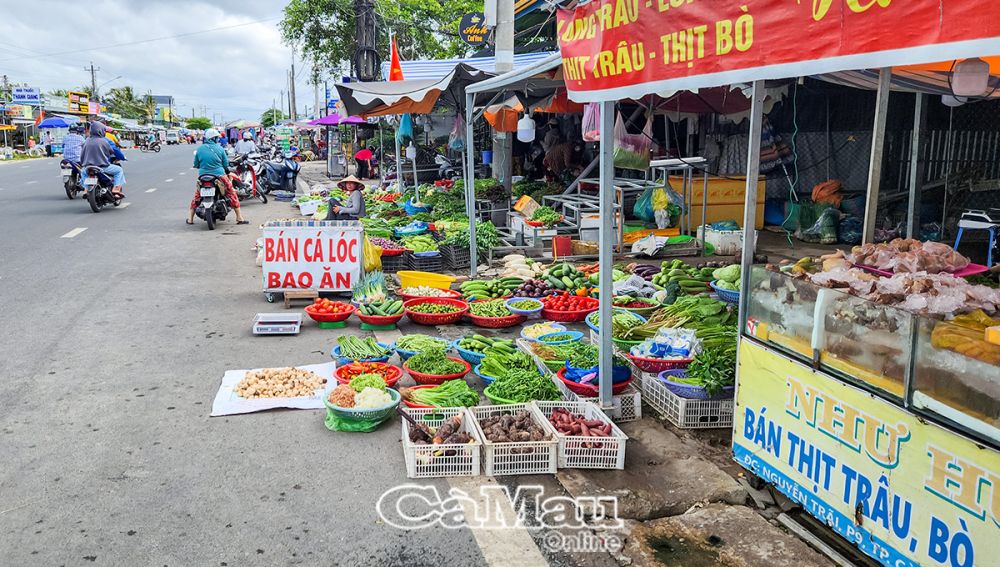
x,y
354,209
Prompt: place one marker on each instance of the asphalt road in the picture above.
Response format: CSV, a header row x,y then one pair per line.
x,y
118,327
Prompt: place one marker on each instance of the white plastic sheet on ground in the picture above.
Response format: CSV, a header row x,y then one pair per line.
x,y
228,403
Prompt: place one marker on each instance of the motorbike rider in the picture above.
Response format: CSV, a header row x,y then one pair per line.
x,y
73,144
150,139
98,151
246,145
211,159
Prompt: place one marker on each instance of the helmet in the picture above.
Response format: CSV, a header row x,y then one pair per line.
x,y
247,136
76,128
211,134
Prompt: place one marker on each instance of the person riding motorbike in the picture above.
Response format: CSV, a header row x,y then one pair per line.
x,y
73,144
211,159
98,151
150,139
246,145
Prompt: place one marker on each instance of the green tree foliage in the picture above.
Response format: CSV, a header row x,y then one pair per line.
x,y
122,100
324,29
199,123
271,117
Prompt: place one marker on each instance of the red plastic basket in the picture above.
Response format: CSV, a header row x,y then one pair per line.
x,y
391,252
588,390
536,223
497,322
380,320
436,318
451,294
567,316
415,405
391,373
657,365
435,379
330,317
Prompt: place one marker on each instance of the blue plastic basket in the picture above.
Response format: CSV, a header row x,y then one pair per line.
x,y
596,329
557,326
619,374
576,336
689,391
429,254
486,379
727,295
412,209
342,360
472,357
525,312
406,354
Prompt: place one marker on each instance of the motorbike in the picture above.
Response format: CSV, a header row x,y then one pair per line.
x,y
154,147
446,169
246,187
71,178
280,176
213,205
98,186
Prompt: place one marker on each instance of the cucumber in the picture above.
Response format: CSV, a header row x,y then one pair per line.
x,y
556,282
569,283
378,311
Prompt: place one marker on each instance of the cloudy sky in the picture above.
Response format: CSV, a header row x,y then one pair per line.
x,y
235,69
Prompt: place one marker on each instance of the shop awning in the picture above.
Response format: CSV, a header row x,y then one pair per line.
x,y
916,79
414,96
438,68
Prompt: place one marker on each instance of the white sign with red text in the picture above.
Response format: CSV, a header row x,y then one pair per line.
x,y
320,258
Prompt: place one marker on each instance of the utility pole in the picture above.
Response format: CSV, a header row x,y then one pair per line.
x,y
315,90
291,92
326,103
93,80
282,105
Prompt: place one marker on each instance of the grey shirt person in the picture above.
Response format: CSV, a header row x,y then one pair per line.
x,y
355,205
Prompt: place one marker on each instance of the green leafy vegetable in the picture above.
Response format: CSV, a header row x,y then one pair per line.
x,y
434,362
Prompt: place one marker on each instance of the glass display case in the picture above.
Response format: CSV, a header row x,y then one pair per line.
x,y
946,370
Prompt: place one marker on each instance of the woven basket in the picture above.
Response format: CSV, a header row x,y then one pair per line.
x,y
567,316
690,391
657,365
374,414
497,322
391,374
436,318
727,295
421,378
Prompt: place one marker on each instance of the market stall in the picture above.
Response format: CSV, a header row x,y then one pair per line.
x,y
813,367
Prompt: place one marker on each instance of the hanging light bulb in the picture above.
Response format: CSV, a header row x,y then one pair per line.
x,y
411,151
953,101
526,129
970,77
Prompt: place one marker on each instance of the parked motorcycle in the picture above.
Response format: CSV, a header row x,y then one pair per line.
x,y
280,176
71,178
246,187
98,186
213,205
154,147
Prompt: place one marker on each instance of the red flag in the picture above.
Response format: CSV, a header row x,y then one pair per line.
x,y
41,116
395,69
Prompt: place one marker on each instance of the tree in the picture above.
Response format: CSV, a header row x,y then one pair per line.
x,y
122,100
271,117
199,123
324,29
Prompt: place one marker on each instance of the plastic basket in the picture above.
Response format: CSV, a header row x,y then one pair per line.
x,y
622,344
379,320
421,378
575,337
436,318
588,390
579,452
393,264
727,295
567,316
451,294
656,365
477,370
428,461
373,414
409,278
597,329
684,413
626,406
497,322
456,257
690,391
424,263
644,311
488,392
390,373
330,317
472,357
391,252
406,354
523,457
342,360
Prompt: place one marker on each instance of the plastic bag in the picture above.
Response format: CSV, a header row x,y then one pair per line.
x,y
404,133
850,230
456,139
660,199
824,230
632,150
592,122
643,208
336,423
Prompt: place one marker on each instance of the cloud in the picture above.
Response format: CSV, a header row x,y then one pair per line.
x,y
236,70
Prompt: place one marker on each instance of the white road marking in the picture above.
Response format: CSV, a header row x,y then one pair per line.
x,y
32,182
151,190
169,180
183,173
498,543
74,232
24,167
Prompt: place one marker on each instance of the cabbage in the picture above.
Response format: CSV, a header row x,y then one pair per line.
x,y
370,398
728,274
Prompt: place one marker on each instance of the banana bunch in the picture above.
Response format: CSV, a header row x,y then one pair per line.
x,y
372,256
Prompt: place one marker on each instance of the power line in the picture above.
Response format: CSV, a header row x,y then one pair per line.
x,y
129,43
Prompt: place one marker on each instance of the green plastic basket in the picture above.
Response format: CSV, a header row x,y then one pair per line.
x,y
496,399
369,414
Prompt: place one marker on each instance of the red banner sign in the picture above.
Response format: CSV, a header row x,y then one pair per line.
x,y
615,49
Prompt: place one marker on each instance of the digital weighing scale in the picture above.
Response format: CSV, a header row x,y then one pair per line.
x,y
975,219
277,323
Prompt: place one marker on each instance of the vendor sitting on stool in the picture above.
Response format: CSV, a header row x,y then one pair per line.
x,y
355,207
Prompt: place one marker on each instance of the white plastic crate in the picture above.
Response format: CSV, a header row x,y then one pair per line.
x,y
426,461
685,413
579,452
522,457
726,242
626,406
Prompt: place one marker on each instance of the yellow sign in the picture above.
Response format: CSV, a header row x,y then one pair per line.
x,y
79,102
904,491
